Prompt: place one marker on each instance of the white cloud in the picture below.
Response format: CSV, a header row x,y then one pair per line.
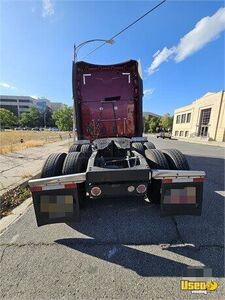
x,y
148,92
47,8
160,57
7,86
155,54
204,32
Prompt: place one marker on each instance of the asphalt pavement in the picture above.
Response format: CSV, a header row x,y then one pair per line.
x,y
121,249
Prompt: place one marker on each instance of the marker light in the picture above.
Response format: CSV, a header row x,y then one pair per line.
x,y
141,188
131,188
96,191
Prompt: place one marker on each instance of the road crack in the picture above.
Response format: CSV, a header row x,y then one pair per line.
x,y
92,243
3,253
179,237
192,246
180,242
27,244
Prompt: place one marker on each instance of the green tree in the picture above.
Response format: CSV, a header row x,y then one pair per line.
x,y
146,125
63,118
31,118
7,118
167,122
153,124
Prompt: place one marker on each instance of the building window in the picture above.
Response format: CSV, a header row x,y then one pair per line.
x,y
176,133
186,134
188,118
24,101
205,116
181,133
183,118
8,100
178,119
204,122
24,106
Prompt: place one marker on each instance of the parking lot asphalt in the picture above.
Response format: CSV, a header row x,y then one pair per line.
x,y
121,249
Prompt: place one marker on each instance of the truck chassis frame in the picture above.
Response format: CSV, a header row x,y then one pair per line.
x,y
56,199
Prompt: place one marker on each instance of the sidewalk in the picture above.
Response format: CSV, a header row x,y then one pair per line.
x,y
193,140
202,141
18,167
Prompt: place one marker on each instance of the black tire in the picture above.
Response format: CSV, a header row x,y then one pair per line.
x,y
156,159
53,165
149,145
76,162
86,150
176,159
75,148
138,147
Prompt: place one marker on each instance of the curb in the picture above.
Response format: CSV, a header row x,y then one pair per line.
x,y
18,211
207,143
203,143
15,214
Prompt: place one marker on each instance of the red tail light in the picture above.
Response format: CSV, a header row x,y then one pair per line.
x,y
96,191
141,188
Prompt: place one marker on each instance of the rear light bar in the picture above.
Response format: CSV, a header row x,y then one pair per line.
x,y
56,182
201,179
182,179
53,187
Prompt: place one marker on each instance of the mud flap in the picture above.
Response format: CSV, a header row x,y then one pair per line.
x,y
56,206
181,198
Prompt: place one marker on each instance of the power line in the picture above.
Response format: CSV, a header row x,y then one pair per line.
x,y
120,32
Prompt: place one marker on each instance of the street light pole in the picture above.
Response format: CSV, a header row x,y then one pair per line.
x,y
77,48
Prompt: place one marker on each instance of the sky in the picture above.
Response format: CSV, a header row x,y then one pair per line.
x,y
180,46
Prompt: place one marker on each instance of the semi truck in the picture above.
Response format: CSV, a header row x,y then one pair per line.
x,y
110,157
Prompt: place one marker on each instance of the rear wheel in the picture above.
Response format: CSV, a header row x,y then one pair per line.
x,y
86,150
176,159
76,162
156,160
53,165
138,147
75,148
149,145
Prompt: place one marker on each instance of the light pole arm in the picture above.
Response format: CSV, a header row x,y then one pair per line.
x,y
77,48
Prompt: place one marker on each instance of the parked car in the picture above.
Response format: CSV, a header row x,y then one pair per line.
x,y
35,129
164,135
